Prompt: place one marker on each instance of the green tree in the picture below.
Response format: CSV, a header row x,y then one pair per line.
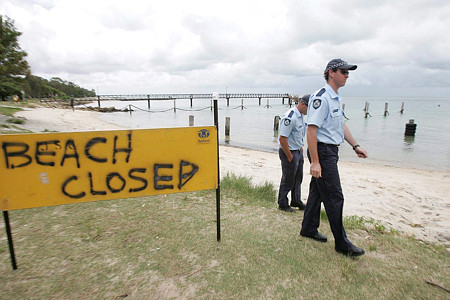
x,y
13,66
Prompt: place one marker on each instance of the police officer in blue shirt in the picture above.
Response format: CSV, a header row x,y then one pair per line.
x,y
291,135
326,131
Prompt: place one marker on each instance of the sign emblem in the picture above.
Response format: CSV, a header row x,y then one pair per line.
x,y
203,134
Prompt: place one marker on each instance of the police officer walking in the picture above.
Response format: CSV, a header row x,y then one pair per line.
x,y
292,130
326,131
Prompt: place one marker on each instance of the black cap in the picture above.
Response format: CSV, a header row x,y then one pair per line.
x,y
305,99
338,63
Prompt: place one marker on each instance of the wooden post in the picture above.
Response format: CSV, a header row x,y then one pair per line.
x,y
276,123
259,101
228,101
227,129
191,101
282,100
98,101
403,107
129,108
386,109
191,120
366,110
242,104
410,128
175,106
148,101
268,103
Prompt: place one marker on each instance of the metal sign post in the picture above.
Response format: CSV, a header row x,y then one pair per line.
x,y
216,124
10,240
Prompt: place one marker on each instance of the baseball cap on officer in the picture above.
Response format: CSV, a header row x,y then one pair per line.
x,y
338,63
305,99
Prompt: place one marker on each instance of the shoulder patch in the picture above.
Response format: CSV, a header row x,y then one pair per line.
x,y
317,103
322,90
290,114
287,122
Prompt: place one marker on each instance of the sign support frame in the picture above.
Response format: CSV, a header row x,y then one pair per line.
x,y
216,124
10,240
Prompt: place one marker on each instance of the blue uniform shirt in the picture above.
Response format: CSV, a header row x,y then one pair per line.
x,y
325,111
292,125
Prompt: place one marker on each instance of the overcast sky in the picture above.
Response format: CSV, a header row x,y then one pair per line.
x,y
402,48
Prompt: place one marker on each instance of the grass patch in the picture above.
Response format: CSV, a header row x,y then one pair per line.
x,y
164,247
16,121
241,188
9,110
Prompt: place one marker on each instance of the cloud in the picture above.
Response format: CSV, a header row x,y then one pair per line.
x,y
199,46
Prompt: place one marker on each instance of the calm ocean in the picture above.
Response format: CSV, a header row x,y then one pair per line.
x,y
252,126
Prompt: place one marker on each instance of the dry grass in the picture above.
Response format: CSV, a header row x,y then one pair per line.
x,y
164,247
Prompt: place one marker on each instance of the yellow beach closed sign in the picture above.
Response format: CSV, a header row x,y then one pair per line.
x,y
61,168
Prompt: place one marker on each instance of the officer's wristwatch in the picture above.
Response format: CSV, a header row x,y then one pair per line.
x,y
356,146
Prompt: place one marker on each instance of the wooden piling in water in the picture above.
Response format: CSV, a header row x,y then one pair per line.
x,y
410,128
276,122
386,109
366,110
227,129
402,108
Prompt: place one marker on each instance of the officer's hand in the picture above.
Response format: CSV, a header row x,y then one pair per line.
x,y
362,153
315,170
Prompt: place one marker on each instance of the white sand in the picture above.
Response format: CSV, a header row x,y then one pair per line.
x,y
415,202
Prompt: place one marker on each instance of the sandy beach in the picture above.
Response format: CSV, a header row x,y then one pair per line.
x,y
412,201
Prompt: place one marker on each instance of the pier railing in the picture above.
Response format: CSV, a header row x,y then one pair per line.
x,y
150,97
178,96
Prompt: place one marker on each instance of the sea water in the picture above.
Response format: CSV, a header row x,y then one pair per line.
x,y
252,125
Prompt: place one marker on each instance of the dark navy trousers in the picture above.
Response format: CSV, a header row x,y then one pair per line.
x,y
291,179
326,189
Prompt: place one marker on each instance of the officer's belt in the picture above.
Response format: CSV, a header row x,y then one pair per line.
x,y
320,143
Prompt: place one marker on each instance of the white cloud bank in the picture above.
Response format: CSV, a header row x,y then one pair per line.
x,y
199,46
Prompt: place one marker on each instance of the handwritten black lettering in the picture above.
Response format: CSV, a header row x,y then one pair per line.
x,y
21,152
39,152
110,177
91,144
186,176
91,184
158,178
137,178
126,150
70,144
64,190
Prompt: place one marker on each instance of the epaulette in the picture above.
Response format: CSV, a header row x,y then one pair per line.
x,y
320,92
290,114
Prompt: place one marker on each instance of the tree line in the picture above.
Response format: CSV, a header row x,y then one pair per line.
x,y
16,79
